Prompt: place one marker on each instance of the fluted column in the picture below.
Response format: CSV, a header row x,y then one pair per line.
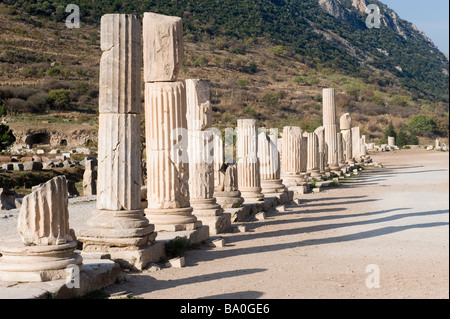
x,y
201,157
269,160
167,171
346,130
313,155
323,166
356,144
291,156
340,147
249,180
166,134
329,123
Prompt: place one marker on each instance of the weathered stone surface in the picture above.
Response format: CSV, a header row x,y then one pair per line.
x,y
163,47
345,122
167,164
291,156
249,180
391,141
44,216
313,160
32,166
269,159
356,144
120,64
119,172
329,123
89,179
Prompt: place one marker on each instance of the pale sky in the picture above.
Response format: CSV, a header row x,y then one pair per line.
x,y
430,16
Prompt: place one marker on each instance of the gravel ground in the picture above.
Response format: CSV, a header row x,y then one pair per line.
x,y
391,221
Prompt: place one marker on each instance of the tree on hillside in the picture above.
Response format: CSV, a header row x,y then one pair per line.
x,y
390,131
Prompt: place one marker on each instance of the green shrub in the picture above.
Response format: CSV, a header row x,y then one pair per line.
x,y
60,98
54,71
250,111
421,124
243,83
7,138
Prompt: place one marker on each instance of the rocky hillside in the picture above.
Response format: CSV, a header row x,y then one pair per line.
x,y
267,59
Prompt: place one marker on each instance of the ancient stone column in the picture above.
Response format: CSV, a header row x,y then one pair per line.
x,y
313,155
166,134
346,131
167,173
269,160
46,246
391,141
340,147
329,123
226,188
356,144
249,180
201,158
89,179
118,225
291,156
322,150
304,160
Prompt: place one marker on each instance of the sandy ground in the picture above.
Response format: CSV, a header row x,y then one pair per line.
x,y
391,221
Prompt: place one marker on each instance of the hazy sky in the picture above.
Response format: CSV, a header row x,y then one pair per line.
x,y
430,16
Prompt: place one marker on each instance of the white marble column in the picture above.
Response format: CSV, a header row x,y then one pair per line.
x,y
167,162
118,224
340,147
356,144
346,130
269,160
323,166
166,134
313,155
249,180
329,123
291,156
201,157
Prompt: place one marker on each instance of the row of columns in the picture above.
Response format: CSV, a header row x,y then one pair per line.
x,y
189,180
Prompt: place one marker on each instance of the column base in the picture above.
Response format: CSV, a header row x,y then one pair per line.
x,y
252,194
37,263
118,229
274,186
172,219
229,199
292,180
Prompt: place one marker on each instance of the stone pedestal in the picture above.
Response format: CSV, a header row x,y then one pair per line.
x,y
249,180
291,156
45,247
269,160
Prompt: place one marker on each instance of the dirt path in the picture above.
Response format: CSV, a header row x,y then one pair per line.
x,y
395,219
